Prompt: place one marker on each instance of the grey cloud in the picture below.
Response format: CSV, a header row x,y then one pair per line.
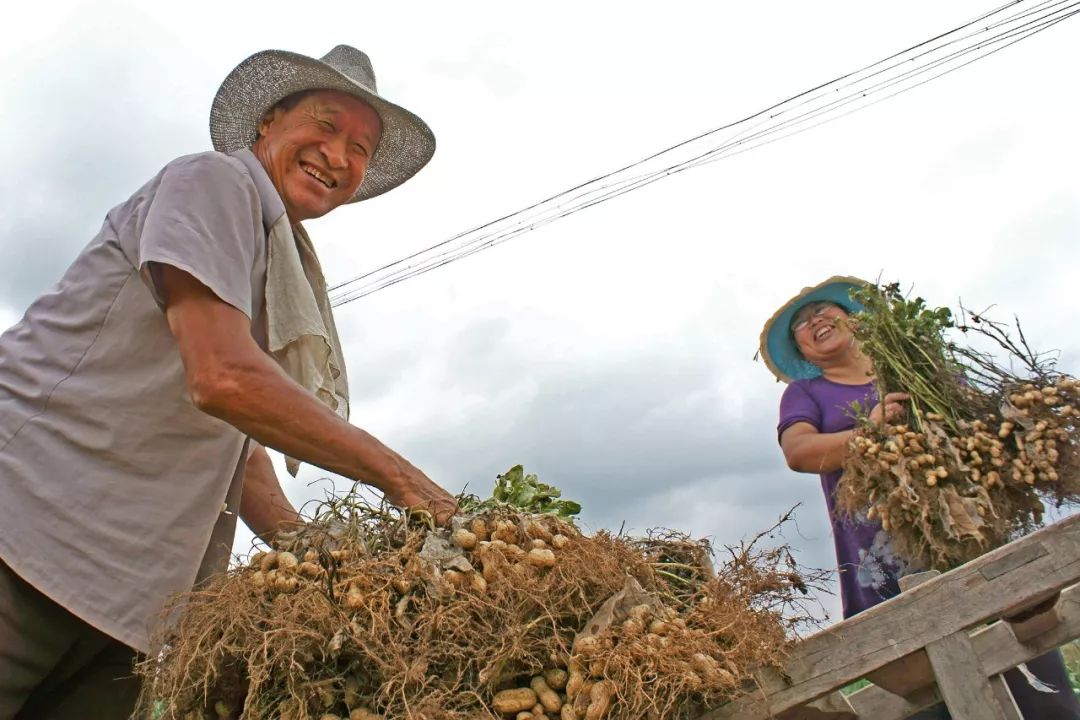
x,y
641,442
374,368
73,149
632,417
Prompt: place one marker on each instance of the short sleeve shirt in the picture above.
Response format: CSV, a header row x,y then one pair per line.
x,y
868,566
112,482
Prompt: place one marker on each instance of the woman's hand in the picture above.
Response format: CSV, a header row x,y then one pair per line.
x,y
889,409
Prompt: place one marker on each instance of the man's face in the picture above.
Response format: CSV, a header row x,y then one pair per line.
x,y
316,153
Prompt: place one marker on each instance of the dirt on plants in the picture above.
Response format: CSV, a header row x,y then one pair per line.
x,y
512,611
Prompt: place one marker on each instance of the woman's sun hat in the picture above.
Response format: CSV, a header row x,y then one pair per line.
x,y
261,81
778,348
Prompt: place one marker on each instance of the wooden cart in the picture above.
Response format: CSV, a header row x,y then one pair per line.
x,y
946,637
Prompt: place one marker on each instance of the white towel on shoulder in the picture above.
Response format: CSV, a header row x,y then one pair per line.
x,y
302,336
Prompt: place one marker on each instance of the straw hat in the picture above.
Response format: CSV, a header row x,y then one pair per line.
x,y
260,82
778,348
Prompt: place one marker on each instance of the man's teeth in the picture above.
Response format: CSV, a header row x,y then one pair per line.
x,y
318,176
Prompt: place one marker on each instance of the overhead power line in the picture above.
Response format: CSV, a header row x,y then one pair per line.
x,y
881,80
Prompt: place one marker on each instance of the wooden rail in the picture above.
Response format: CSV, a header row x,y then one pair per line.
x,y
933,643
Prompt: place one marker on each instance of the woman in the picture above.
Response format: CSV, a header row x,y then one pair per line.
x,y
808,343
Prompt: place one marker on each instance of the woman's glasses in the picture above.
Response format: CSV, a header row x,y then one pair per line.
x,y
807,315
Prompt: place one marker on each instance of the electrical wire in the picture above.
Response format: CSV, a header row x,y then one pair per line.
x,y
891,76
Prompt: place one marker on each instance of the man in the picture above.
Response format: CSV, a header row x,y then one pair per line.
x,y
136,396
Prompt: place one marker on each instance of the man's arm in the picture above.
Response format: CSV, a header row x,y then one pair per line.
x,y
231,378
263,505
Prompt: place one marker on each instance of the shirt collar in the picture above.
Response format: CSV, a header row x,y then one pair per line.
x,y
272,206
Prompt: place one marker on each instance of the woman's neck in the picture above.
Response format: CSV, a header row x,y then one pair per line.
x,y
850,368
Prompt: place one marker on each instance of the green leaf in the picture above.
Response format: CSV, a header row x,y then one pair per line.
x,y
567,508
524,496
525,492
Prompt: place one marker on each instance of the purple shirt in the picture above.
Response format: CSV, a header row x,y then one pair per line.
x,y
868,567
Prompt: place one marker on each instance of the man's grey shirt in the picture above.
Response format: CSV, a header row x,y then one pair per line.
x,y
111,481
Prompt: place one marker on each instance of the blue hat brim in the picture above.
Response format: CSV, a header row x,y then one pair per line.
x,y
778,348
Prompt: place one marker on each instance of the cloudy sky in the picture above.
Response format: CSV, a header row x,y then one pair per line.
x,y
610,352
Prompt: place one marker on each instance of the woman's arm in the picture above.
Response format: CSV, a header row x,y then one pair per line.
x,y
808,450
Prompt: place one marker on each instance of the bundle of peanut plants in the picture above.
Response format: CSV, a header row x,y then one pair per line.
x,y
366,612
989,436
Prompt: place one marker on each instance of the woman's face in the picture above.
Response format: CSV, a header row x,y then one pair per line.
x,y
821,331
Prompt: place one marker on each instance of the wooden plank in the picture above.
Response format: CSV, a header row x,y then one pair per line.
x,y
877,703
1012,561
1037,620
1030,605
1041,563
960,679
910,673
833,706
914,580
999,650
904,676
1036,625
1005,698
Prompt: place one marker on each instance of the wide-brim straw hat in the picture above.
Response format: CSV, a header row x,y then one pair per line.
x,y
261,81
778,348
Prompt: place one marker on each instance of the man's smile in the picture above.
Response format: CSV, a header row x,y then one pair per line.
x,y
323,178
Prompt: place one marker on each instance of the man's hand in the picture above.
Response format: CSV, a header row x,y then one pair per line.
x,y
418,492
231,378
889,409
